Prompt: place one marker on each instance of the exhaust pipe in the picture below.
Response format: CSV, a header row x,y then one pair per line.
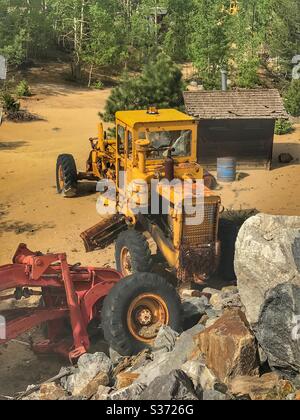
x,y
224,80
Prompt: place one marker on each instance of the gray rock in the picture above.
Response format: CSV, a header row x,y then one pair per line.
x,y
194,308
200,375
213,395
263,358
166,339
212,313
228,298
164,363
115,357
89,366
172,387
65,370
267,255
95,363
278,328
103,394
211,291
130,393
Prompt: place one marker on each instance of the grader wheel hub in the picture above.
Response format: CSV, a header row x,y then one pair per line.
x,y
146,315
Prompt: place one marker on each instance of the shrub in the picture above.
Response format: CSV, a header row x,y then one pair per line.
x,y
23,89
292,98
159,84
283,127
10,105
98,85
247,75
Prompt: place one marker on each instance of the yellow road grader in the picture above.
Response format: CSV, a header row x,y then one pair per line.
x,y
150,146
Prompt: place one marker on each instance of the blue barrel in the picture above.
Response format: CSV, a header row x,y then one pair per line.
x,y
227,169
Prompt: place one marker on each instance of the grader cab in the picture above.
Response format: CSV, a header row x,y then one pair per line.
x,y
153,162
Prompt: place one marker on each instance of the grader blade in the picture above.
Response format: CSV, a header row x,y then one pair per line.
x,y
104,233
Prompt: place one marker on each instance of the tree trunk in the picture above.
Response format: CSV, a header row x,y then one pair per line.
x,y
91,75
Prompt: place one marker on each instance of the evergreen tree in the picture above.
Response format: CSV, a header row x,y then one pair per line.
x,y
178,29
292,98
160,83
210,44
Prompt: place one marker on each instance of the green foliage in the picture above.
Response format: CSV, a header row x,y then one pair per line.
x,y
209,42
248,74
179,29
127,34
292,98
98,85
283,127
160,83
23,89
10,105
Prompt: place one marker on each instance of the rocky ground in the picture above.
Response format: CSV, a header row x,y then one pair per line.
x,y
216,359
241,342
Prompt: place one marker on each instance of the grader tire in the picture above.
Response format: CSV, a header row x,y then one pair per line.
x,y
66,176
135,310
133,254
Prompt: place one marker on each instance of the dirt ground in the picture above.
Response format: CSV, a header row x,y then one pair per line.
x,y
31,212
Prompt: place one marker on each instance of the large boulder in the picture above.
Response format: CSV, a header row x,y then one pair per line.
x,y
268,269
229,347
278,327
267,255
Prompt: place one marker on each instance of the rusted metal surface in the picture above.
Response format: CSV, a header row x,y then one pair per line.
x,y
104,233
71,292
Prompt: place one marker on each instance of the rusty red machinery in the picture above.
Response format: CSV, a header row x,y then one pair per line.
x,y
71,294
129,310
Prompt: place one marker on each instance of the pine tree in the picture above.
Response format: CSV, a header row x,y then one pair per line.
x,y
160,83
210,44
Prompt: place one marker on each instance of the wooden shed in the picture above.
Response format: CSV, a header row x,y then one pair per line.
x,y
236,124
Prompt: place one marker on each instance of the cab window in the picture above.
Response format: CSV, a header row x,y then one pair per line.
x,y
179,140
121,139
130,144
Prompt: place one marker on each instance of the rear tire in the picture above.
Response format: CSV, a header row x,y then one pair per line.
x,y
128,302
133,254
66,176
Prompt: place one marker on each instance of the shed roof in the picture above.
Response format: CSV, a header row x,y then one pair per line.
x,y
239,104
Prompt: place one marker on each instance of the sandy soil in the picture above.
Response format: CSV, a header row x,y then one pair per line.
x,y
32,212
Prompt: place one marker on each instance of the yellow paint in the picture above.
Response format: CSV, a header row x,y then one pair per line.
x,y
132,118
129,152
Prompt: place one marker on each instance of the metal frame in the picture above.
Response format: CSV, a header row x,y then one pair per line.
x,y
72,292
